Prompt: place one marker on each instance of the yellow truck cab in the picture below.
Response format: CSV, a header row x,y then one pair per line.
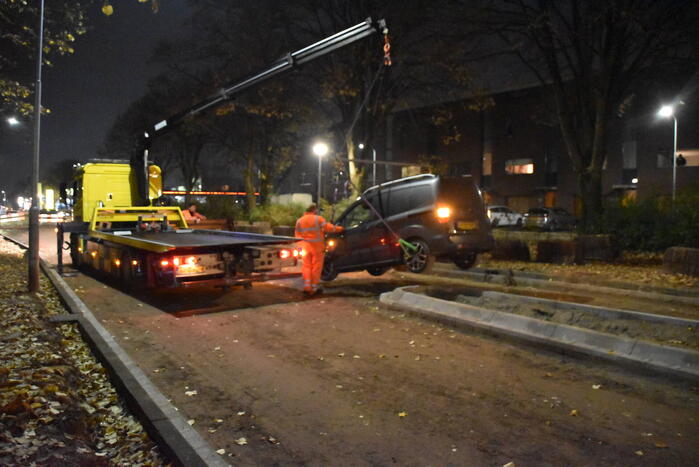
x,y
110,184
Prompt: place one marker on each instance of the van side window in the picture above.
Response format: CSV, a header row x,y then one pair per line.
x,y
358,215
420,196
394,202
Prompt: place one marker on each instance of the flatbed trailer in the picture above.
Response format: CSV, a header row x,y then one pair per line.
x,y
152,247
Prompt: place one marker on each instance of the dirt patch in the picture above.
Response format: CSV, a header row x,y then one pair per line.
x,y
661,333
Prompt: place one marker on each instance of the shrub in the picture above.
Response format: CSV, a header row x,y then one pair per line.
x,y
654,223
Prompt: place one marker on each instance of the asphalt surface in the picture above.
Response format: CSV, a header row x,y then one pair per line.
x,y
275,379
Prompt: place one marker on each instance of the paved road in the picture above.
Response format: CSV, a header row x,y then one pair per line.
x,y
337,380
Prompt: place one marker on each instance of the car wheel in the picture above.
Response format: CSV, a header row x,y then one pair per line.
x,y
329,272
519,223
378,271
465,261
419,260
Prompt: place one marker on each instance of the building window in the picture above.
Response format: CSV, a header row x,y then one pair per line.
x,y
519,166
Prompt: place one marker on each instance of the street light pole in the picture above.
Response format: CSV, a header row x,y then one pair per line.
x,y
674,161
33,270
320,149
320,170
373,158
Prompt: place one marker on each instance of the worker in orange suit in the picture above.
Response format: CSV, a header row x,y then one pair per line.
x,y
312,229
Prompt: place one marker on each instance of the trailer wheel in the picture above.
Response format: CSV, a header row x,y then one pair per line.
x,y
126,270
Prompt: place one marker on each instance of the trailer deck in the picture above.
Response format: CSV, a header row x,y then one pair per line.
x,y
161,242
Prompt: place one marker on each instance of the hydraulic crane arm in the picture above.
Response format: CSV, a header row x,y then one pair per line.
x,y
291,60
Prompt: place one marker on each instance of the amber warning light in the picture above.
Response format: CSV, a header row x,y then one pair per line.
x,y
443,213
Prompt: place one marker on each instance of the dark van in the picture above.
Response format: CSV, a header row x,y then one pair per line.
x,y
441,217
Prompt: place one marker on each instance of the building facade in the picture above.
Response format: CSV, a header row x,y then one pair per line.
x,y
513,146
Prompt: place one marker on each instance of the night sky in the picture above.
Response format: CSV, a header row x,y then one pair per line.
x,y
87,90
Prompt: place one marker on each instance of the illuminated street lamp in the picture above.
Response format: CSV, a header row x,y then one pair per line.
x,y
12,121
667,111
320,149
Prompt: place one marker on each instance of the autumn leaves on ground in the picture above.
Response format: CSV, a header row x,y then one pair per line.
x,y
56,403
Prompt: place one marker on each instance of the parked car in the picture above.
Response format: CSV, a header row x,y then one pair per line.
x,y
549,219
502,216
441,217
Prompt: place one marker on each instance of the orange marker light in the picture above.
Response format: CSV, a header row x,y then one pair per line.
x,y
93,253
331,243
164,263
117,262
443,213
134,263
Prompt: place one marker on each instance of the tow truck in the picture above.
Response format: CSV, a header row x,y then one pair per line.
x,y
122,228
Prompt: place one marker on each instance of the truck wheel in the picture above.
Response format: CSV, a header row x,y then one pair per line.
x,y
465,261
125,270
378,271
419,260
329,273
75,255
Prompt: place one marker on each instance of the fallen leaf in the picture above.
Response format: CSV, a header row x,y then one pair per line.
x,y
241,414
574,413
596,386
191,422
190,393
639,453
402,414
221,451
241,441
661,445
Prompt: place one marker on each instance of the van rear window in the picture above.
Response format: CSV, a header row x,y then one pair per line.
x,y
462,194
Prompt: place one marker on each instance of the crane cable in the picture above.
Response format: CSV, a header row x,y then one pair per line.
x,y
405,245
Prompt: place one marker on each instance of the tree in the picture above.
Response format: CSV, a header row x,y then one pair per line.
x,y
259,128
18,39
359,92
592,55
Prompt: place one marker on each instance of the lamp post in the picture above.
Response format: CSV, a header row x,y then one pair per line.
x,y
373,165
33,270
665,112
320,149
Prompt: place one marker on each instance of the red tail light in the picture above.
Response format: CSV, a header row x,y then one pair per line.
x,y
284,254
165,263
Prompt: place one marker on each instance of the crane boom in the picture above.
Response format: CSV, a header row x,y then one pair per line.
x,y
139,160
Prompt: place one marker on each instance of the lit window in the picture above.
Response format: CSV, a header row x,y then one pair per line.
x,y
519,166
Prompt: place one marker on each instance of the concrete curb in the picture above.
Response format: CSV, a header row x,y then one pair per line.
x,y
494,276
592,281
180,442
632,352
611,313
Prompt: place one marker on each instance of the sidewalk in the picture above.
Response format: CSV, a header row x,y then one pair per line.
x,y
57,405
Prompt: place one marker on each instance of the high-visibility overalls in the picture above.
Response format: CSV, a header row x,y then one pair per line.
x,y
312,228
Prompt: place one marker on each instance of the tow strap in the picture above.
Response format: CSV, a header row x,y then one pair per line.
x,y
405,245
